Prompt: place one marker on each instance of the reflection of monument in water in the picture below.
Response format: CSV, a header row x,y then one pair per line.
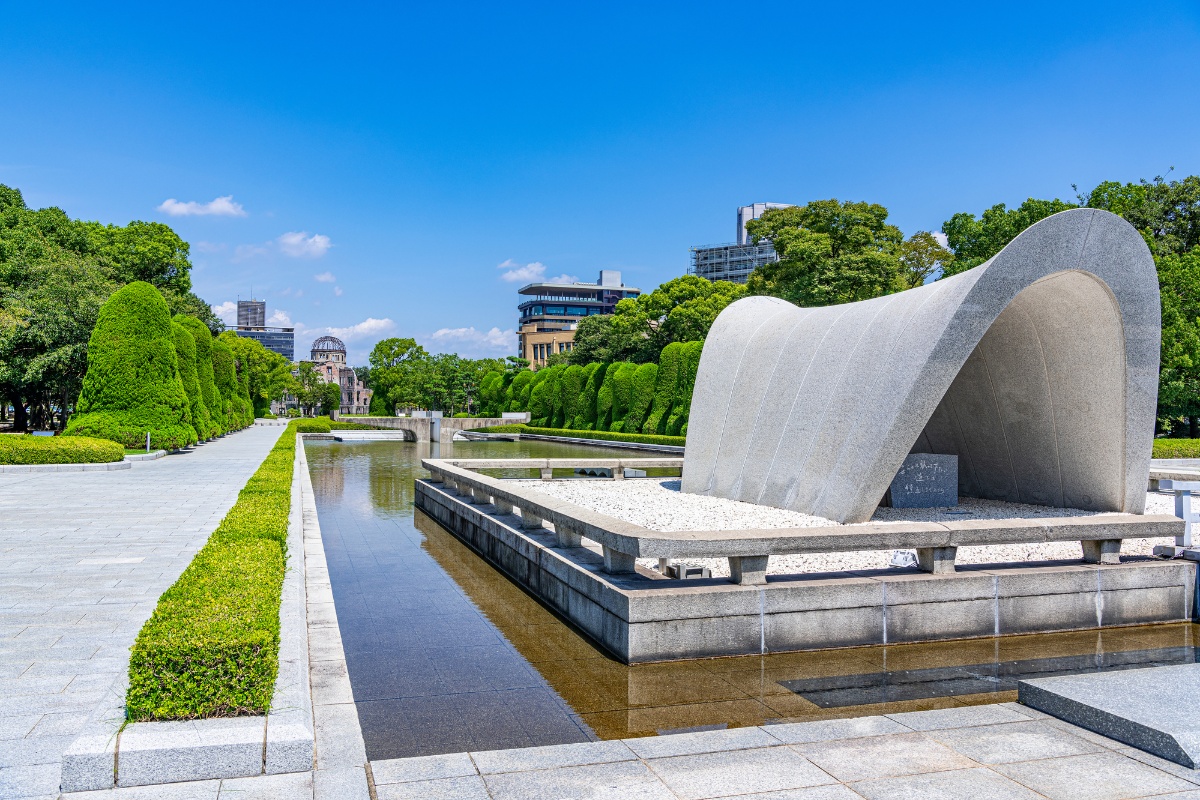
x,y
328,477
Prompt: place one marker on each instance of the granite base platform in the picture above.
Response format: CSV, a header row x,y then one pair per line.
x,y
1155,709
644,616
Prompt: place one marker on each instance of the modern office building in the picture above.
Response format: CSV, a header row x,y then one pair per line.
x,y
328,355
735,261
251,323
550,312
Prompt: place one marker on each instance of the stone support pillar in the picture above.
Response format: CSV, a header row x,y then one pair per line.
x,y
936,560
748,570
616,562
1102,551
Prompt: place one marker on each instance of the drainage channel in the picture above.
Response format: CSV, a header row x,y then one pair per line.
x,y
445,654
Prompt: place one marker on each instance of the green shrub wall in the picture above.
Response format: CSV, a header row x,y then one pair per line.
x,y
19,449
641,399
211,647
1176,448
605,436
225,373
185,353
204,371
132,385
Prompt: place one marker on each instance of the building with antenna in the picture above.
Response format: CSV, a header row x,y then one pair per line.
x,y
252,324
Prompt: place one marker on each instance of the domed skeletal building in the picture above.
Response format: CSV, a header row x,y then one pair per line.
x,y
328,355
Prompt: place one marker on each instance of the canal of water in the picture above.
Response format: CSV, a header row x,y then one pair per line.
x,y
446,654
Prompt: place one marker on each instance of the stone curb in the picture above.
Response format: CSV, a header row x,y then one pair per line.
x,y
105,754
151,456
108,467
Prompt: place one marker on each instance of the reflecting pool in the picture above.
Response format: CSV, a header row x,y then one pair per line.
x,y
445,654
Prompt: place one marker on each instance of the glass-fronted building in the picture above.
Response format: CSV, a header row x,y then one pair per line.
x,y
549,312
277,340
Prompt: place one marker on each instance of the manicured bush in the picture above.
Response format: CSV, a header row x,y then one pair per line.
x,y
132,384
570,389
688,362
185,353
585,409
225,372
204,372
1176,448
604,436
641,396
622,394
317,425
338,425
18,449
665,386
604,396
211,647
269,416
542,395
517,394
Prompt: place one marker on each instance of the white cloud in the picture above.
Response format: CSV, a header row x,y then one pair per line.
x,y
470,341
368,327
299,244
941,239
534,272
324,277
208,247
220,207
279,319
337,291
227,311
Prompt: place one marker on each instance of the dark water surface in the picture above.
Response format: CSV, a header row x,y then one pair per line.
x,y
446,654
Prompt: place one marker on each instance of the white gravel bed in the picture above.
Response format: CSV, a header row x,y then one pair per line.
x,y
658,504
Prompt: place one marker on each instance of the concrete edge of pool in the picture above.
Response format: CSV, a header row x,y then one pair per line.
x,y
640,617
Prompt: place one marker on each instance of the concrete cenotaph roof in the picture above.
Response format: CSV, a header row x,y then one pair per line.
x,y
1038,369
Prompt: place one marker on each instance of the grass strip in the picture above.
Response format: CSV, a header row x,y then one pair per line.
x,y
603,436
25,449
1176,448
211,647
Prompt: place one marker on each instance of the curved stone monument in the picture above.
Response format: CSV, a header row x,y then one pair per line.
x,y
1038,369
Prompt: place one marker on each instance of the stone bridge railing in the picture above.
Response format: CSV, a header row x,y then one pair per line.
x,y
622,542
422,429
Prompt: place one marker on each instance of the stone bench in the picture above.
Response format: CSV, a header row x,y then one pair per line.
x,y
748,551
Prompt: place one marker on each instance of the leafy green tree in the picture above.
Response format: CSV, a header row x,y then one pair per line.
x,y
922,257
205,374
680,310
974,241
225,374
132,386
396,368
829,252
1179,375
329,397
267,374
308,387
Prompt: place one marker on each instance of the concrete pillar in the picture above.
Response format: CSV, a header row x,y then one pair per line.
x,y
616,562
748,570
566,536
1102,551
936,560
618,473
502,506
547,473
530,520
480,497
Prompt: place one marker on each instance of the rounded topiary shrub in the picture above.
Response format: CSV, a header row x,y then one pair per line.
x,y
185,353
132,384
227,390
204,372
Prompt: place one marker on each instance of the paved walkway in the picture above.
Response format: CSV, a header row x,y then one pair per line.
x,y
996,752
84,557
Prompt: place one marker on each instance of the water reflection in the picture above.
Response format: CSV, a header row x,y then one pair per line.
x,y
447,654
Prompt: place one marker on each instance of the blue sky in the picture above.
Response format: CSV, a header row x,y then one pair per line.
x,y
378,165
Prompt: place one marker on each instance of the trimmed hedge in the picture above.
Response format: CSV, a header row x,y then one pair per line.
x,y
317,425
185,354
605,436
350,426
18,449
132,385
211,647
204,372
1176,448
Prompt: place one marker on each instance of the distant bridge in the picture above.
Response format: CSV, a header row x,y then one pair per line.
x,y
427,429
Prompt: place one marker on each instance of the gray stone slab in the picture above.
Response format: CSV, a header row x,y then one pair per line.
x,y
166,752
976,784
964,717
563,755
925,480
738,772
422,768
882,757
1099,776
1016,741
625,779
1152,709
464,788
826,730
680,744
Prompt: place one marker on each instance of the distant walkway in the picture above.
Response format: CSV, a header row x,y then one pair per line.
x,y
84,557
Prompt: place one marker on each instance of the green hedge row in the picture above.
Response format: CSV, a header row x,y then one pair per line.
x,y
17,449
211,647
606,436
317,425
1176,448
651,399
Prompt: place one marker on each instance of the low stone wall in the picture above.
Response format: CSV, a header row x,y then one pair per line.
x,y
643,616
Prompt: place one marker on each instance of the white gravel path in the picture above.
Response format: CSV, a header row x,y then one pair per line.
x,y
658,504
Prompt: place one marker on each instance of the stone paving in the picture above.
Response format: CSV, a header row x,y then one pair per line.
x,y
996,752
84,557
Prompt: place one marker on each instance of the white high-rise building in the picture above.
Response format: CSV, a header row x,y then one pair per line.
x,y
736,260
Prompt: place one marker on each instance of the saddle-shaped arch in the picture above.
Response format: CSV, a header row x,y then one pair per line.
x,y
1038,369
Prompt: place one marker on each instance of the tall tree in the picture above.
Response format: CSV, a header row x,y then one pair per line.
x,y
974,241
829,252
923,257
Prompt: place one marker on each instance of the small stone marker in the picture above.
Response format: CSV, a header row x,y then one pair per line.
x,y
925,480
